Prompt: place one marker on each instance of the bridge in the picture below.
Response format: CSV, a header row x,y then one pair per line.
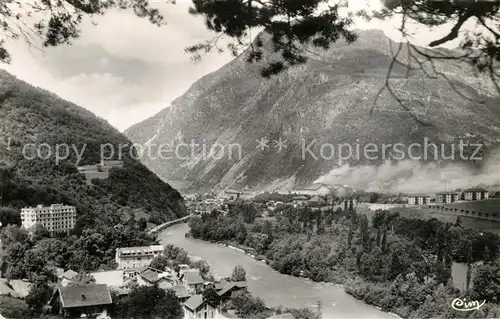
x,y
168,224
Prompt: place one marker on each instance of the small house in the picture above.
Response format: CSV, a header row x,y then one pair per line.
x,y
151,276
232,194
230,287
316,200
313,190
195,307
300,200
182,293
192,280
82,301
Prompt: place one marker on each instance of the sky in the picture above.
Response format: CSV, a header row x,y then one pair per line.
x,y
125,69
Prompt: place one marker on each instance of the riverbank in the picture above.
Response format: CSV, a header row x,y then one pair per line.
x,y
346,283
276,289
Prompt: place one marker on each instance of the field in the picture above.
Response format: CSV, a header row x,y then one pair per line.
x,y
419,212
488,206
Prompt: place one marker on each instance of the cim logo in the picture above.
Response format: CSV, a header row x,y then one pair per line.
x,y
464,305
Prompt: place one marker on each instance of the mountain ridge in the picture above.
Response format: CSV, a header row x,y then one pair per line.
x,y
329,99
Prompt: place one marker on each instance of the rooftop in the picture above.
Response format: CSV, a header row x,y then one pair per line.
x,y
69,274
144,250
154,275
84,295
310,187
193,278
231,285
194,302
232,191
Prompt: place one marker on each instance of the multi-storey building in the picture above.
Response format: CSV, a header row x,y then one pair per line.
x,y
136,257
419,200
475,194
446,197
55,218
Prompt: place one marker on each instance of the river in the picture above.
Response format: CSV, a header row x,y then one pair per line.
x,y
274,288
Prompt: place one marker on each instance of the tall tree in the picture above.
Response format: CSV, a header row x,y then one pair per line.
x,y
239,273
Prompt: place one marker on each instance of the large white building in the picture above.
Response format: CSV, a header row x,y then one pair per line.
x,y
136,257
55,218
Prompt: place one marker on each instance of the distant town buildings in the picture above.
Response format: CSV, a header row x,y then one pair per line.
x,y
300,200
192,280
55,218
447,197
475,194
419,199
232,194
314,189
150,276
136,257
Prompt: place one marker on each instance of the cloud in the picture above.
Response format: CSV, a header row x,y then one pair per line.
x,y
416,177
126,69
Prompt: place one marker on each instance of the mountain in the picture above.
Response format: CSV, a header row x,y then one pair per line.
x,y
334,98
35,123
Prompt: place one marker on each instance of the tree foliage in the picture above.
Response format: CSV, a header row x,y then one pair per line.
x,y
294,27
149,302
239,273
400,264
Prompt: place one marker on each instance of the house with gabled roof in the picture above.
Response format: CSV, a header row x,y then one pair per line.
x,y
192,280
195,307
82,301
300,200
314,189
151,276
230,287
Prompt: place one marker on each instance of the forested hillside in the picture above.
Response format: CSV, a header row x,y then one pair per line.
x,y
30,115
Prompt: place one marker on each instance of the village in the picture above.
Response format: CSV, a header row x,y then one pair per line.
x,y
94,293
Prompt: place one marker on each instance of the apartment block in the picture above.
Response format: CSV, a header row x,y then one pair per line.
x,y
55,218
447,197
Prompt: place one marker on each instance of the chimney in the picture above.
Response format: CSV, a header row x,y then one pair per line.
x,y
84,298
